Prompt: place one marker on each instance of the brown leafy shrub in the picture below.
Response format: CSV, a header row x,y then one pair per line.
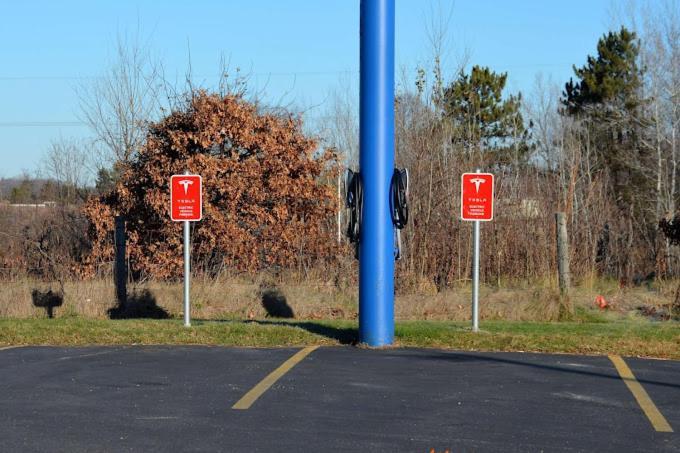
x,y
264,200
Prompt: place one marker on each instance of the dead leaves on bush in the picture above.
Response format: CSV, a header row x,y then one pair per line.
x,y
265,203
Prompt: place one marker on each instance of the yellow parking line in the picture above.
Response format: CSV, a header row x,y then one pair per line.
x,y
249,398
646,404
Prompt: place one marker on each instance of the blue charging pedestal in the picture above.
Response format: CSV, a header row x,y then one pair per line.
x,y
376,246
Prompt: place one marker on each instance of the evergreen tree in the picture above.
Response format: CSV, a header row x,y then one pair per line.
x,y
107,179
607,98
483,120
610,82
23,193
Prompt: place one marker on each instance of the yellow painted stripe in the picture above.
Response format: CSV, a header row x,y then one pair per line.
x,y
646,404
249,398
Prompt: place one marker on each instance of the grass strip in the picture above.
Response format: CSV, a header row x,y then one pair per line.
x,y
640,338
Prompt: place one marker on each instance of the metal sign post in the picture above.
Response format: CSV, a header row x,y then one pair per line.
x,y
187,273
477,192
475,278
186,205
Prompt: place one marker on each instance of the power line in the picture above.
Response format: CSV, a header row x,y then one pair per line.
x,y
10,124
252,74
245,74
42,124
47,77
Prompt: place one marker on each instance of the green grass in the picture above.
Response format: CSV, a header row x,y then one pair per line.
x,y
627,337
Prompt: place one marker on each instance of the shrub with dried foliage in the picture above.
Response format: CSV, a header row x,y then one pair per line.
x,y
265,200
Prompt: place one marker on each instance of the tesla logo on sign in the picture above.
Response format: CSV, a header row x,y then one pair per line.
x,y
186,195
477,196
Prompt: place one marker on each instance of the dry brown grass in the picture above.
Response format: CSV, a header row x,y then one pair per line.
x,y
211,299
234,298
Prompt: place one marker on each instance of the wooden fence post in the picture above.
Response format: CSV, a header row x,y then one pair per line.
x,y
120,265
562,253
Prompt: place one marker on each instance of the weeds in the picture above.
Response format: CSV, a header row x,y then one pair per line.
x,y
232,297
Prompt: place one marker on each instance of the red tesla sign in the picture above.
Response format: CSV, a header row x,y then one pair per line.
x,y
477,196
186,195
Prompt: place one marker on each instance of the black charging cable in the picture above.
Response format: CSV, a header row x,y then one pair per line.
x,y
399,198
354,201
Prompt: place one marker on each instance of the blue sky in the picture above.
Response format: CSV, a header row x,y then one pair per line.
x,y
298,48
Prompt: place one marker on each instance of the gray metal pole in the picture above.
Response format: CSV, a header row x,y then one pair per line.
x,y
475,279
187,275
562,253
475,276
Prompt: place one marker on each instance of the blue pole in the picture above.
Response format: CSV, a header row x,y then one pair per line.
x,y
376,246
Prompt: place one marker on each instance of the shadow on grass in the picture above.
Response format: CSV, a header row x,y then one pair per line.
x,y
275,304
48,300
343,335
140,305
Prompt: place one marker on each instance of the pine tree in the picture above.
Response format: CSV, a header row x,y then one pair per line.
x,y
607,101
607,98
107,179
609,82
23,193
485,122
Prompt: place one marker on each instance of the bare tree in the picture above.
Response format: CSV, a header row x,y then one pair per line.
x,y
341,122
117,105
67,163
540,108
661,56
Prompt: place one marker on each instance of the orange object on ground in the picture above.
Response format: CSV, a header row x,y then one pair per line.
x,y
601,302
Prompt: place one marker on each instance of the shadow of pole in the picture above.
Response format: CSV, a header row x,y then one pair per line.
x,y
343,335
139,305
473,357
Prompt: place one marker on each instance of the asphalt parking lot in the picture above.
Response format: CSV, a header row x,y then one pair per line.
x,y
171,398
